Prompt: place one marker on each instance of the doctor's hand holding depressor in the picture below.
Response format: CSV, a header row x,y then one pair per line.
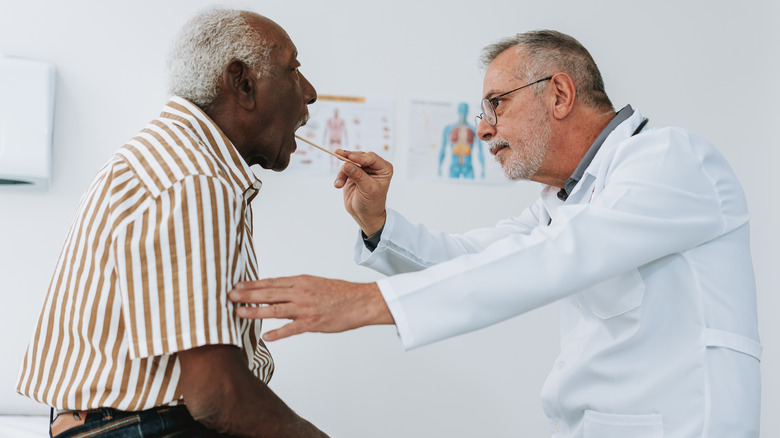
x,y
365,189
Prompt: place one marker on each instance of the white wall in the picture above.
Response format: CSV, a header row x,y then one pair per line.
x,y
709,66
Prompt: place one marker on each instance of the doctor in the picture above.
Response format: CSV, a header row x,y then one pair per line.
x,y
641,234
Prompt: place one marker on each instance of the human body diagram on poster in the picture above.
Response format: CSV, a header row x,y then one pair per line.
x,y
341,122
443,145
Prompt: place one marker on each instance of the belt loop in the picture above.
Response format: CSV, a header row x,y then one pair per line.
x,y
733,341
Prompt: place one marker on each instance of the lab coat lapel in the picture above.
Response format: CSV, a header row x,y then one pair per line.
x,y
593,179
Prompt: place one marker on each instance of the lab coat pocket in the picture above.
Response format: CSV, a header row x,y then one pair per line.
x,y
601,425
615,296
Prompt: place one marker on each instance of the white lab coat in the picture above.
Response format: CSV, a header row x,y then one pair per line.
x,y
650,260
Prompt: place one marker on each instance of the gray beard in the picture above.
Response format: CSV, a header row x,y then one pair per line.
x,y
525,157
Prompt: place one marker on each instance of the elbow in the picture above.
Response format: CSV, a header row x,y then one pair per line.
x,y
211,413
211,401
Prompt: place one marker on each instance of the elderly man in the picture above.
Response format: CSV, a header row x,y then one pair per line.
x,y
640,234
137,336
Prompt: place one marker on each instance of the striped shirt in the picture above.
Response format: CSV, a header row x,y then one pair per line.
x,y
162,234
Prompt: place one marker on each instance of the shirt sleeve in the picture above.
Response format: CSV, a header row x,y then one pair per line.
x,y
372,242
176,259
408,247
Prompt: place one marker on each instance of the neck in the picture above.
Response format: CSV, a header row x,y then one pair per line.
x,y
228,121
571,139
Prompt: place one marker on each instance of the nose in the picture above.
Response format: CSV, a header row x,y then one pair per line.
x,y
309,93
484,131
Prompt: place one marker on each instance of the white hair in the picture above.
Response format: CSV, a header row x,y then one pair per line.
x,y
205,46
549,52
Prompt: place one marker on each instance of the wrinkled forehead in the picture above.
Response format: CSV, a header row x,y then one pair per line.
x,y
502,72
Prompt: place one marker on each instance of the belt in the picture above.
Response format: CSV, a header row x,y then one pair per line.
x,y
67,419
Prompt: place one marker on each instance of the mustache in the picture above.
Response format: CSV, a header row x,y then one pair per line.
x,y
495,143
302,122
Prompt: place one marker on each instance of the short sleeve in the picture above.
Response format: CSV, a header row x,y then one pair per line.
x,y
176,259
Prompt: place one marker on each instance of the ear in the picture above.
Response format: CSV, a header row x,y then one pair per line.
x,y
240,83
564,92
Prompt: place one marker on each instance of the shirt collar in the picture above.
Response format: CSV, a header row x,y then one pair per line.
x,y
238,173
575,177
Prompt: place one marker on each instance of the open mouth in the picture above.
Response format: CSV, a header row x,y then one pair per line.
x,y
302,122
298,126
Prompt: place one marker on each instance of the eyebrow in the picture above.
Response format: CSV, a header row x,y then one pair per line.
x,y
492,93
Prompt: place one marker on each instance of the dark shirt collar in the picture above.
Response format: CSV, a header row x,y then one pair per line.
x,y
575,177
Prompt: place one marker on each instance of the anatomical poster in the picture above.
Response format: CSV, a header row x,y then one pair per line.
x,y
343,122
443,144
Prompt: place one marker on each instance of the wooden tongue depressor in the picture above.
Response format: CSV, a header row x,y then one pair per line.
x,y
327,151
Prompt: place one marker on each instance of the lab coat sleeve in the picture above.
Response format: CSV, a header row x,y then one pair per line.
x,y
408,247
664,192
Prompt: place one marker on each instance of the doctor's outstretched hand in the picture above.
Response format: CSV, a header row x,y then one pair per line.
x,y
365,189
314,304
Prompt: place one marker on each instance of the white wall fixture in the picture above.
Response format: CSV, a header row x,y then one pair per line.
x,y
26,121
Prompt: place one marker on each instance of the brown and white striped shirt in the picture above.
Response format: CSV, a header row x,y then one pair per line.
x,y
163,232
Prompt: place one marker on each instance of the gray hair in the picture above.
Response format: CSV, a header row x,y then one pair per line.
x,y
205,46
549,52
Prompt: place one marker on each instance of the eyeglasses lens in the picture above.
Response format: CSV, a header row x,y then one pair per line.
x,y
490,114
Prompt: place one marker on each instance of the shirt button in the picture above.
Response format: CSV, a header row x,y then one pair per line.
x,y
557,426
561,364
580,307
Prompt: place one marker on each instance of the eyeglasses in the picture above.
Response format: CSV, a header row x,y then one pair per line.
x,y
489,105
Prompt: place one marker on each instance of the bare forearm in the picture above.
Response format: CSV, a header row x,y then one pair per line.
x,y
253,410
223,395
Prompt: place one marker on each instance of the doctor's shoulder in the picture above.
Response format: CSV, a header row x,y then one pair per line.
x,y
672,148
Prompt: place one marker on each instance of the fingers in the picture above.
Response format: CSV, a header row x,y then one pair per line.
x,y
374,171
259,295
346,172
314,304
363,177
340,181
370,162
273,311
365,159
278,282
284,331
268,291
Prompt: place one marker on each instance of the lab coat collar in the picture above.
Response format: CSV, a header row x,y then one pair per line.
x,y
619,118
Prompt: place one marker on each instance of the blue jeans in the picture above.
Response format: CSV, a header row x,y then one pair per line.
x,y
160,422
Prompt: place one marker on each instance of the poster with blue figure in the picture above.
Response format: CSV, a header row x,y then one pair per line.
x,y
444,145
459,140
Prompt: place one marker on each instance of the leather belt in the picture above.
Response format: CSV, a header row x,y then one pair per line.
x,y
67,420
